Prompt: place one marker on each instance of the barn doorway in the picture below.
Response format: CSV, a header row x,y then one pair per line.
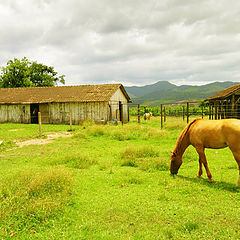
x,y
120,111
34,109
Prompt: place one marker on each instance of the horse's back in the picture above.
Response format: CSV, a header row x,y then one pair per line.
x,y
215,133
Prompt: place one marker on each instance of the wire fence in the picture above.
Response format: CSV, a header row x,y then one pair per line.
x,y
187,110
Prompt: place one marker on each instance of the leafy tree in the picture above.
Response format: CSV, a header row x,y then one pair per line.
x,y
42,75
15,74
23,73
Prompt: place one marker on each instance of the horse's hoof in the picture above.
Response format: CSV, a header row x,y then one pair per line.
x,y
199,176
210,180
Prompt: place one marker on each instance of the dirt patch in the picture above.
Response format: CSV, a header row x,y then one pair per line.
x,y
50,138
15,130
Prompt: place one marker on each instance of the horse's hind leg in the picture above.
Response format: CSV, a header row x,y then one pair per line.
x,y
202,159
200,168
237,158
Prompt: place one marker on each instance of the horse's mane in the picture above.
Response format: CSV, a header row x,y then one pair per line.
x,y
184,132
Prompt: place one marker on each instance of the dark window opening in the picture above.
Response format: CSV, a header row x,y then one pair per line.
x,y
120,111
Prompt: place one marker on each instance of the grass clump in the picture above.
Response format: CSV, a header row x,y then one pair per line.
x,y
29,198
79,162
140,152
95,130
189,227
145,157
6,145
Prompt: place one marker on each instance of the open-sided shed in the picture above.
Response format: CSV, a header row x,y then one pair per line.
x,y
226,103
99,103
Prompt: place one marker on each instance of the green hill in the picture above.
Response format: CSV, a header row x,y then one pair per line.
x,y
163,91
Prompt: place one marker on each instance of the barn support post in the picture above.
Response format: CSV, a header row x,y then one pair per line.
x,y
138,113
237,107
187,112
161,116
224,110
215,108
219,110
233,106
40,123
210,112
228,115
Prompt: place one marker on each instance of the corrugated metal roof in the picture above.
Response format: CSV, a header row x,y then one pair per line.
x,y
82,93
225,93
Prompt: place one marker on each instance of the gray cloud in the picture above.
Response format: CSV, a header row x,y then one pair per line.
x,y
134,42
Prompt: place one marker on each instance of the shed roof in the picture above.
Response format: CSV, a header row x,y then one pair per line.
x,y
81,93
225,93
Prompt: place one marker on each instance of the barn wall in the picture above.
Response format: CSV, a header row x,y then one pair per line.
x,y
43,108
18,113
92,111
117,97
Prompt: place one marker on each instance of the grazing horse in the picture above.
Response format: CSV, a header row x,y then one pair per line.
x,y
147,116
203,134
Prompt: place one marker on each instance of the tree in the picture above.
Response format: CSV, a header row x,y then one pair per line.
x,y
15,74
23,73
42,75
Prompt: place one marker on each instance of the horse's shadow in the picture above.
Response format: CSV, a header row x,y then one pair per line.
x,y
219,185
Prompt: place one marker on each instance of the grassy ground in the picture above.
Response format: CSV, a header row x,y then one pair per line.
x,y
113,182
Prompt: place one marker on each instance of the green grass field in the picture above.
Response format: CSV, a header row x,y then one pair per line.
x,y
113,182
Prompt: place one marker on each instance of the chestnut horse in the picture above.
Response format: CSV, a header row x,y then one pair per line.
x,y
207,134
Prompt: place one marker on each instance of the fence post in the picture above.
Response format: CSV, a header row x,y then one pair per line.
x,y
183,113
210,111
216,110
187,112
202,112
161,116
138,113
70,116
164,114
40,123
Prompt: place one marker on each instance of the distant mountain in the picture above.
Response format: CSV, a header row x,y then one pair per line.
x,y
164,91
135,92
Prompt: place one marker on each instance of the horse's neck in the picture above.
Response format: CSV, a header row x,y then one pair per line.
x,y
182,145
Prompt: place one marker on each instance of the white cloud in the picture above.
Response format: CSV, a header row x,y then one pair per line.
x,y
135,42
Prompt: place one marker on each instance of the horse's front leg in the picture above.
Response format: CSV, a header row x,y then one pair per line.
x,y
200,168
202,159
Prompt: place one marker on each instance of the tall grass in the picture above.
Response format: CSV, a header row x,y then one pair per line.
x,y
125,132
144,157
29,198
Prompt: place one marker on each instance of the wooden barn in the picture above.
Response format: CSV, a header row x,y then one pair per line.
x,y
98,103
225,104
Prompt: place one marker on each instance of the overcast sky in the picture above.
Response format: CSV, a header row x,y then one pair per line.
x,y
135,42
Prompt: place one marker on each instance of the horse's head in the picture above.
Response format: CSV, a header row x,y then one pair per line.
x,y
176,162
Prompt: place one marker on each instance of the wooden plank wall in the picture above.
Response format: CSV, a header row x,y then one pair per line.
x,y
91,111
114,104
18,113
